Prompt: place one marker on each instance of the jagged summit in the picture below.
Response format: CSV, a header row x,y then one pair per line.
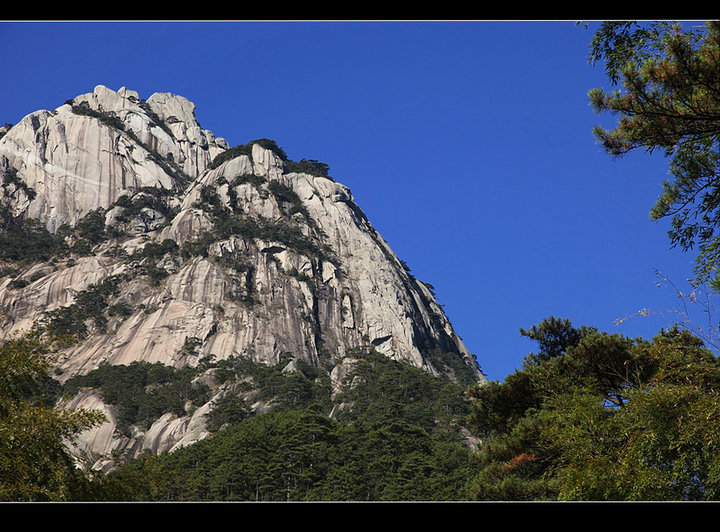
x,y
100,146
148,238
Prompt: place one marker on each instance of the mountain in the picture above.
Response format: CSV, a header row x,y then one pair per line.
x,y
129,234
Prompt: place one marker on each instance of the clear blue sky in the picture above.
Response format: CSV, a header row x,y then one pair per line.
x,y
467,144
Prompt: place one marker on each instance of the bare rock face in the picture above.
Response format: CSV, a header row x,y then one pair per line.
x,y
203,251
99,146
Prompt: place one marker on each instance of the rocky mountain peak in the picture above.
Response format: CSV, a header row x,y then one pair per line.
x,y
100,146
128,233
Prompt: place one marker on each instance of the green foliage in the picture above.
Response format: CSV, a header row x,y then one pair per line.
x,y
120,309
228,410
387,389
154,117
145,259
512,465
285,194
155,250
670,103
306,385
261,229
226,223
608,418
34,465
273,457
11,180
271,145
109,119
141,391
246,149
661,446
255,180
394,461
198,246
302,455
89,304
89,231
227,155
398,441
154,198
554,335
452,364
230,221
18,283
25,240
309,166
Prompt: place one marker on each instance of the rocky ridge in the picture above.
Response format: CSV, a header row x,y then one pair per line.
x,y
177,248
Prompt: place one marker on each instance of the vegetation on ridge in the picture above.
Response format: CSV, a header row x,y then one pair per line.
x,y
308,166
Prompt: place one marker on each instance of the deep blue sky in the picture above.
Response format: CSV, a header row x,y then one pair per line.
x,y
467,144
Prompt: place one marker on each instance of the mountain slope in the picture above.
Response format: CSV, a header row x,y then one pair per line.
x,y
131,234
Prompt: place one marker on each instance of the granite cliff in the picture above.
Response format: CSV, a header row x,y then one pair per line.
x,y
178,248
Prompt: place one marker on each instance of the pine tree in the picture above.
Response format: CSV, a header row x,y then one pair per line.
x,y
669,102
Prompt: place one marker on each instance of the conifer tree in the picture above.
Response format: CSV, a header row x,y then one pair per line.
x,y
669,102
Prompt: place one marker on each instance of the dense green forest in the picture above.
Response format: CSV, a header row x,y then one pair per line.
x,y
590,416
396,438
395,442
